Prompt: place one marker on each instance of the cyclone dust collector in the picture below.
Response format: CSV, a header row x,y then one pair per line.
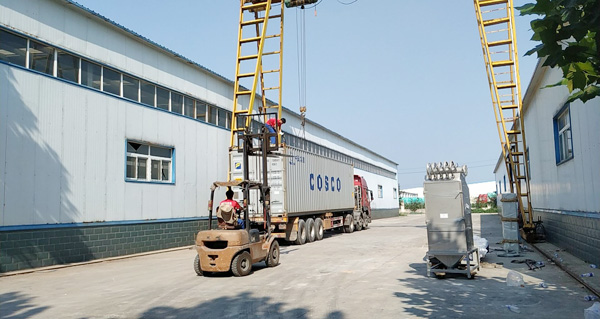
x,y
449,225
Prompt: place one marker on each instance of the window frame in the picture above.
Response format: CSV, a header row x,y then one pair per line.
x,y
149,159
379,191
560,132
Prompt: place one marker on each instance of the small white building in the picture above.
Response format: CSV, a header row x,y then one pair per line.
x,y
563,141
109,142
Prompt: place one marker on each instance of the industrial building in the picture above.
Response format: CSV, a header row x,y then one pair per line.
x,y
109,142
563,154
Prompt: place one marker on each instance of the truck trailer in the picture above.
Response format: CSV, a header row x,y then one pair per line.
x,y
309,194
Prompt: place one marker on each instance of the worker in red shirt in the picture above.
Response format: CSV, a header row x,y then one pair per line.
x,y
230,210
271,127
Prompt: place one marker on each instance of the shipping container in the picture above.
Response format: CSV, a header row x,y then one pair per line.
x,y
309,194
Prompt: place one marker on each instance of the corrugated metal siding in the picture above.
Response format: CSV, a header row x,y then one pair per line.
x,y
292,188
64,151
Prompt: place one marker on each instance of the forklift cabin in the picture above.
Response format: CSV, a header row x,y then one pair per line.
x,y
230,247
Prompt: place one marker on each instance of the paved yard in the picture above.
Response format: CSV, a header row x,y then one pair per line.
x,y
375,273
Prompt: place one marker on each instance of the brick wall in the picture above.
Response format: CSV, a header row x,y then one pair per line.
x,y
24,249
577,234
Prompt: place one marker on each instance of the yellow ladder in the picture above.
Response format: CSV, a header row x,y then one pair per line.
x,y
496,20
251,68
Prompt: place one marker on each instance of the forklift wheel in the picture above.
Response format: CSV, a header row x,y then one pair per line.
x,y
241,264
197,266
273,256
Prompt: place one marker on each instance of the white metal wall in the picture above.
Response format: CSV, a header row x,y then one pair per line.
x,y
388,200
64,155
575,184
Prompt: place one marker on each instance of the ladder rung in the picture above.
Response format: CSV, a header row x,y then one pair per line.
x,y
506,86
245,75
271,71
484,3
272,88
272,107
243,92
250,22
502,63
248,57
521,177
516,153
495,21
501,42
255,6
513,132
240,112
250,40
271,53
508,107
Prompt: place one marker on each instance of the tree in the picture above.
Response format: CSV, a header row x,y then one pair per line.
x,y
570,34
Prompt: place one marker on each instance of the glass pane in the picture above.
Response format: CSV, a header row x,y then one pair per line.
x,y
147,93
68,67
160,151
190,107
162,98
111,81
13,48
137,148
130,87
41,57
212,115
90,74
176,103
200,111
165,170
222,118
131,167
228,120
154,170
142,167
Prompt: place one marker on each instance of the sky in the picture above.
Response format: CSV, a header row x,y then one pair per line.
x,y
405,79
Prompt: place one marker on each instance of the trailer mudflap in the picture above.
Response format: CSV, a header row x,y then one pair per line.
x,y
291,229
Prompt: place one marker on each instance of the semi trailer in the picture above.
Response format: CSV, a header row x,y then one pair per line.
x,y
310,194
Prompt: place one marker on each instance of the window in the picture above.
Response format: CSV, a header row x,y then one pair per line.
x,y
90,74
162,98
528,164
212,115
189,106
379,191
111,81
13,48
395,193
131,88
67,67
176,103
562,135
148,90
200,111
222,118
148,162
41,57
505,183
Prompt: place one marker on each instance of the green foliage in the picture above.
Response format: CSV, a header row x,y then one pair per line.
x,y
413,204
570,34
482,210
493,200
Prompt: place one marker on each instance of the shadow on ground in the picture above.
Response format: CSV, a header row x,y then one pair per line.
x,y
243,305
16,305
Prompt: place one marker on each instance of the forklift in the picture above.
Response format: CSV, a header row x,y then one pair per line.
x,y
230,247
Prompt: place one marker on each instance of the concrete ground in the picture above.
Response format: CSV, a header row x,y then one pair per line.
x,y
376,273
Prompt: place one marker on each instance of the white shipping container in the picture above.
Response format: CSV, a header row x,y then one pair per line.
x,y
301,182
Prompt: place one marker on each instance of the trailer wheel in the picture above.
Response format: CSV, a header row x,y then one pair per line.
x,y
301,238
310,230
241,264
273,257
359,224
197,266
319,229
350,227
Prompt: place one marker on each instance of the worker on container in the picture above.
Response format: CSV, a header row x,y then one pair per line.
x,y
229,210
272,129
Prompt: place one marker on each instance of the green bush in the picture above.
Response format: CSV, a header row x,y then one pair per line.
x,y
413,206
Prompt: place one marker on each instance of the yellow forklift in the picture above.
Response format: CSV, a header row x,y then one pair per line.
x,y
229,246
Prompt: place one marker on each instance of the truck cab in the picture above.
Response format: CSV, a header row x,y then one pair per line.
x,y
362,196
